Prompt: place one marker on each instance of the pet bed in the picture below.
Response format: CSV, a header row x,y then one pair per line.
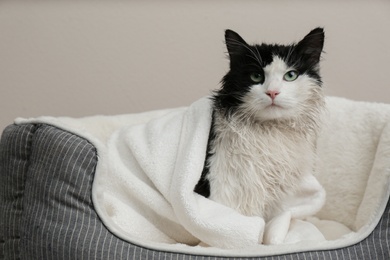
x,y
48,167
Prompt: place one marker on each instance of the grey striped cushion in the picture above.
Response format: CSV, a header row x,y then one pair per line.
x,y
46,209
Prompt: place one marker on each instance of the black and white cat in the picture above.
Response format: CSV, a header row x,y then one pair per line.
x,y
266,117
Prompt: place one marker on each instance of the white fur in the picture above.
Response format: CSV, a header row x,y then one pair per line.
x,y
263,151
289,101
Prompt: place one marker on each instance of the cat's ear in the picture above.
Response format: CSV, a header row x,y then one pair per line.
x,y
234,43
310,47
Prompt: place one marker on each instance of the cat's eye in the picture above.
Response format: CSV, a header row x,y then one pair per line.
x,y
291,75
257,77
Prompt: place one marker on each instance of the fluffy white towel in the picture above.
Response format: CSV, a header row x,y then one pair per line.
x,y
149,164
151,174
147,188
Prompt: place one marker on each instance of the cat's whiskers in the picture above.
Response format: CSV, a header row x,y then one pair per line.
x,y
289,53
256,57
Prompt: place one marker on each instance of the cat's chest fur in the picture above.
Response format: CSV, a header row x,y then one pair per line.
x,y
252,167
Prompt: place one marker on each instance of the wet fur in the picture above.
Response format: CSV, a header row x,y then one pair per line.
x,y
257,152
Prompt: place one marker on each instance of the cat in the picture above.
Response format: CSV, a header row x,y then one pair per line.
x,y
265,121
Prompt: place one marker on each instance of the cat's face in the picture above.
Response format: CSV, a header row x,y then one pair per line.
x,y
268,82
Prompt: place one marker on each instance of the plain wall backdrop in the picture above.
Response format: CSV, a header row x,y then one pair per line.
x,y
80,58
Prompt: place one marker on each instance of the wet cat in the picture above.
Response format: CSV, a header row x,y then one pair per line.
x,y
266,117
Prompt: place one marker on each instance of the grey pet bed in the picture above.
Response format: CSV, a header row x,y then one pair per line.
x,y
46,209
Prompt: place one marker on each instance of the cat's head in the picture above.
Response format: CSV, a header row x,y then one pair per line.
x,y
270,81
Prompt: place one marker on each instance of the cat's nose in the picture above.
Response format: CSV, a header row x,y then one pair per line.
x,y
272,93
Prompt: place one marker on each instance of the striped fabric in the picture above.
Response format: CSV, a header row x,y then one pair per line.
x,y
46,209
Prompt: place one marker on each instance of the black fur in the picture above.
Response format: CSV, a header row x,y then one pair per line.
x,y
203,186
245,59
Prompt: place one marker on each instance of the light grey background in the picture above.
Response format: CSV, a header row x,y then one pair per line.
x,y
80,58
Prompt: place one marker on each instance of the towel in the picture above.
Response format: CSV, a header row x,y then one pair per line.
x,y
147,190
149,164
